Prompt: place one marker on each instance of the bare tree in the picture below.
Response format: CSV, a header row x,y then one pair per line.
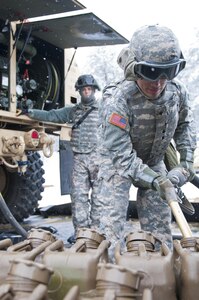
x,y
102,64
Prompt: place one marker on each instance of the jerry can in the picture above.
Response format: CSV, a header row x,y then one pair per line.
x,y
156,266
113,282
4,244
6,292
76,265
186,263
35,237
24,252
28,279
31,249
73,294
92,239
38,293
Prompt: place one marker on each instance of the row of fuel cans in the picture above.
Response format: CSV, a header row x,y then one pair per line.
x,y
42,268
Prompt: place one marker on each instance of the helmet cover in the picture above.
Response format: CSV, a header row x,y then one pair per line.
x,y
86,80
155,44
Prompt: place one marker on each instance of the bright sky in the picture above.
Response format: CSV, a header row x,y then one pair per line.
x,y
127,15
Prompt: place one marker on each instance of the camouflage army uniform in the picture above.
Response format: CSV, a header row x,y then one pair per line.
x,y
85,169
114,189
136,132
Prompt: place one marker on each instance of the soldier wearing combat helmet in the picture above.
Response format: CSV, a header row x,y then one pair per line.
x,y
143,113
84,138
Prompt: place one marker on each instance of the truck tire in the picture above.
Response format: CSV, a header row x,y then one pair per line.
x,y
22,192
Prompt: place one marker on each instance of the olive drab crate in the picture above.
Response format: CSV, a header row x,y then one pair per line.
x,y
76,265
156,265
186,262
113,282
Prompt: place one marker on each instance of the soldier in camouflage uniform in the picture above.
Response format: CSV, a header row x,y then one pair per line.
x,y
113,193
143,113
84,140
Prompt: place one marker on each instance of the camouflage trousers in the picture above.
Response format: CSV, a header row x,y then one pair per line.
x,y
84,189
113,200
154,215
153,212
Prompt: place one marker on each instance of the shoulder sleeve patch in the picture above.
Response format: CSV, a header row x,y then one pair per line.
x,y
118,120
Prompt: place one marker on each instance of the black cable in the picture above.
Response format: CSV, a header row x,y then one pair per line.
x,y
10,218
24,46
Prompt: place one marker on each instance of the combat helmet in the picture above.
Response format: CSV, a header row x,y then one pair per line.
x,y
153,53
86,80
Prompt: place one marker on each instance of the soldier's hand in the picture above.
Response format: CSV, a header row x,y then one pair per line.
x,y
188,166
152,180
165,188
146,179
178,176
23,111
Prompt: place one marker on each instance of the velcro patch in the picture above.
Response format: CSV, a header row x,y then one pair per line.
x,y
118,120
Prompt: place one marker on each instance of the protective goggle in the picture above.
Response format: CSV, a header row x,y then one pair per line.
x,y
155,71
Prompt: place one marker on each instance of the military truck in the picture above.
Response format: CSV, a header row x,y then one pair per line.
x,y
37,70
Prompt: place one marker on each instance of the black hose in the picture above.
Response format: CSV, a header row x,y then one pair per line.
x,y
10,218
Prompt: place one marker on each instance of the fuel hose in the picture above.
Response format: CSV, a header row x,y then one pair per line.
x,y
10,218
